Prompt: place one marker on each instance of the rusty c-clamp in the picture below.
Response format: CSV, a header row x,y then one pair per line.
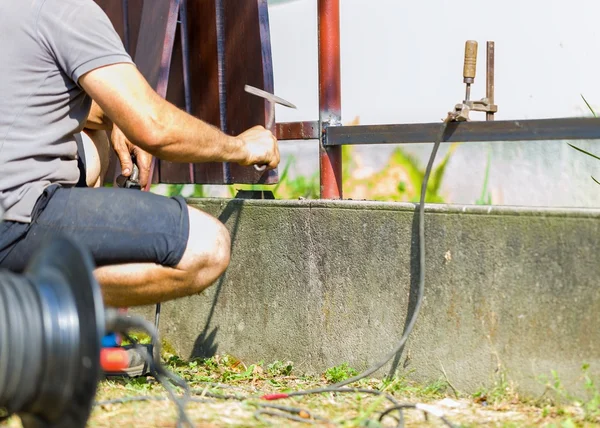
x,y
462,111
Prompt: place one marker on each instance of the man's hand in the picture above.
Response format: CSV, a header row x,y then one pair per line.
x,y
261,147
167,132
124,150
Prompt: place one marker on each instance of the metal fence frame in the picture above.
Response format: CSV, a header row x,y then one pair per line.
x,y
332,135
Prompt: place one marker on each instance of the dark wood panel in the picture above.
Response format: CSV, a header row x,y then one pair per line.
x,y
204,66
117,11
155,43
228,47
154,49
134,12
176,172
114,10
204,100
247,60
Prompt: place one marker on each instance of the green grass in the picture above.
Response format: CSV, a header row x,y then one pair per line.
x,y
498,406
582,150
339,373
308,186
227,375
588,403
486,195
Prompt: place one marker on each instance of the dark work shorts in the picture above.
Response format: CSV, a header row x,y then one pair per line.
x,y
116,225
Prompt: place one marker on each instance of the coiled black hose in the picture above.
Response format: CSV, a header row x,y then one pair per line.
x,y
51,325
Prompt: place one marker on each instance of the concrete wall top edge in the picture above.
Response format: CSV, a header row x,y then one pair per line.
x,y
403,206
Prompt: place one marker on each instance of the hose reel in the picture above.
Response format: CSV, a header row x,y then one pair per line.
x,y
51,328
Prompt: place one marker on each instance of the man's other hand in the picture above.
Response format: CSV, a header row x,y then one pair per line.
x,y
124,150
261,147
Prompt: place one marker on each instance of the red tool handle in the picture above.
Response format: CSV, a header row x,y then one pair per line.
x,y
114,360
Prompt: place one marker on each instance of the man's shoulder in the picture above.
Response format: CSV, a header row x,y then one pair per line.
x,y
68,9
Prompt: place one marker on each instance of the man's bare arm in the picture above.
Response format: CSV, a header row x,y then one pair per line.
x,y
167,132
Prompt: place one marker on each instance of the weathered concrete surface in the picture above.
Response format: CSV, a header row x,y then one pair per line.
x,y
321,283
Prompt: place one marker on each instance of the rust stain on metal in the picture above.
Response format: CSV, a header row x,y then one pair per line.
x,y
297,131
330,99
490,73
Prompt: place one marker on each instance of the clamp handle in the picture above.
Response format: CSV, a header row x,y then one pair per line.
x,y
470,64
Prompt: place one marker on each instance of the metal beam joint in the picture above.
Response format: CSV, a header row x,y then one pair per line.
x,y
329,122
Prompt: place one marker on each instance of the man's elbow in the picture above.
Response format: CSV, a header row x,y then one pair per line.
x,y
151,135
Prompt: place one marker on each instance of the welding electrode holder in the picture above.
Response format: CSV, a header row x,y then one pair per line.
x,y
131,182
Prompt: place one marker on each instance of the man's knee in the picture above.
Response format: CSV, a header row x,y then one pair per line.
x,y
209,246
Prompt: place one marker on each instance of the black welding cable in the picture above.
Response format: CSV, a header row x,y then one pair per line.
x,y
349,390
141,398
203,392
277,414
338,387
421,290
166,379
420,407
296,414
122,324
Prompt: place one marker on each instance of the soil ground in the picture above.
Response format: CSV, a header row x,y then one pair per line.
x,y
227,393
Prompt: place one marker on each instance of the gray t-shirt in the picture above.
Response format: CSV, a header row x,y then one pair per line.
x,y
45,47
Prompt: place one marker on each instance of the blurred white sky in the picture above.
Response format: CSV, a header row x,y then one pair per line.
x,y
402,61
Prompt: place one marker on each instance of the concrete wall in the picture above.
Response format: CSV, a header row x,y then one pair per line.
x,y
322,283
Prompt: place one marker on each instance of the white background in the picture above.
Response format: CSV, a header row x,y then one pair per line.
x,y
402,62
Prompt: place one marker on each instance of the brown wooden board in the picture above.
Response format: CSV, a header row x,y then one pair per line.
x,y
228,47
175,172
114,10
134,12
246,45
118,11
204,70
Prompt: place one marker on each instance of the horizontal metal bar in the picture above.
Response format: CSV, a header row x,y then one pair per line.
x,y
297,131
480,131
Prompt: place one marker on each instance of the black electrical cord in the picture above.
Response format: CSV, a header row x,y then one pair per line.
x,y
350,390
116,322
296,414
418,407
358,390
140,398
218,396
420,292
287,412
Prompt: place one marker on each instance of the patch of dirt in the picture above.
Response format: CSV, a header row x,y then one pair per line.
x,y
228,393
